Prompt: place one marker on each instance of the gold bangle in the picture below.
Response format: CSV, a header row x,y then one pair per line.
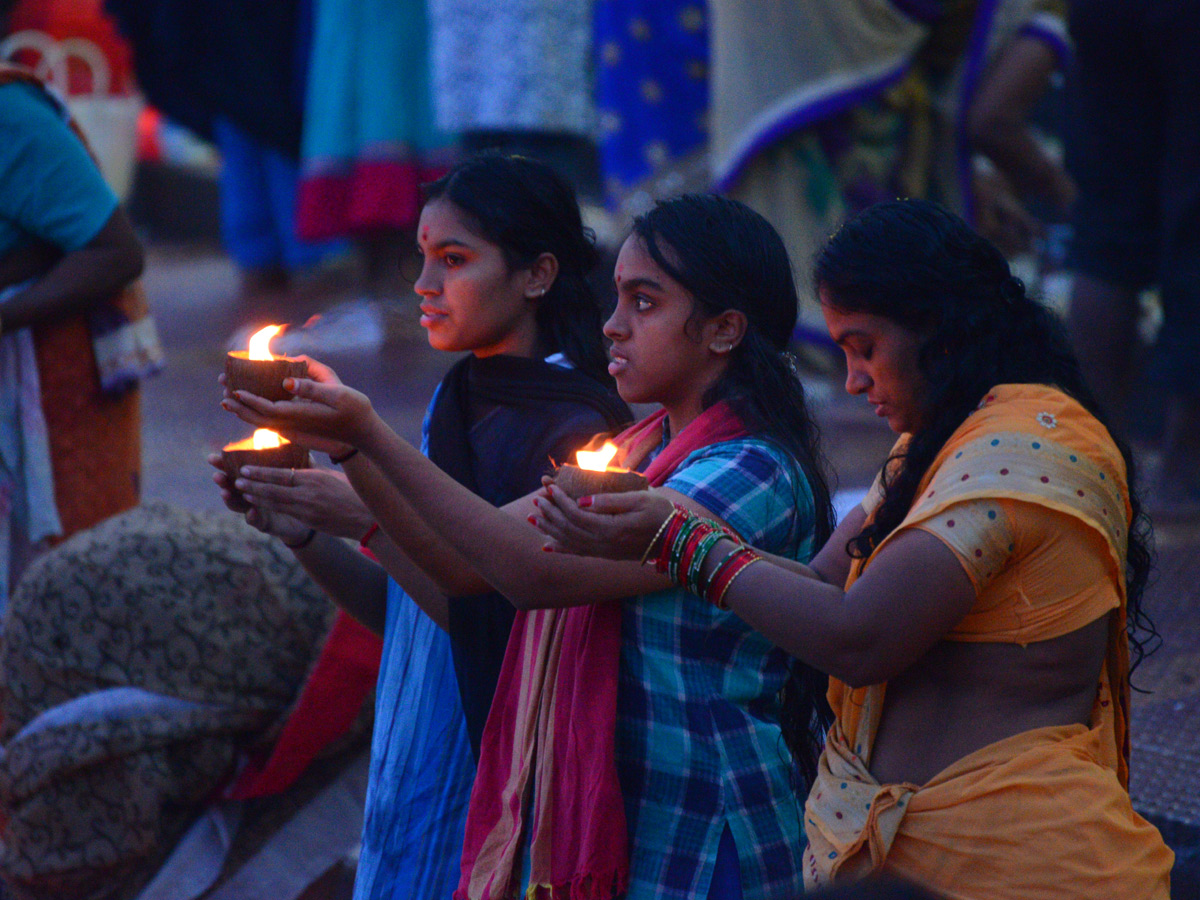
x,y
657,535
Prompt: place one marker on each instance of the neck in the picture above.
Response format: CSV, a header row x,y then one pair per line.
x,y
522,342
681,416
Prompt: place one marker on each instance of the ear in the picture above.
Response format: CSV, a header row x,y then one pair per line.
x,y
725,331
540,276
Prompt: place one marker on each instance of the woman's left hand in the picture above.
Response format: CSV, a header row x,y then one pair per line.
x,y
609,526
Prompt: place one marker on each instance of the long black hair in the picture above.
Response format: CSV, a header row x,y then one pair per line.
x,y
729,257
524,208
919,265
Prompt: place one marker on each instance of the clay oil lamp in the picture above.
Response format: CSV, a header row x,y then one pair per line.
x,y
592,474
257,372
266,449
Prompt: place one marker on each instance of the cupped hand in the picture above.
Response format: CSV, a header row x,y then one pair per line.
x,y
319,498
324,414
609,526
287,528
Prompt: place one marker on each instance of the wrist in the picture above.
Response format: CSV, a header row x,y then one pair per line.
x,y
372,436
365,540
303,542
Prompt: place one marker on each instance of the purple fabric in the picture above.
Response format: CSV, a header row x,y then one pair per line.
x,y
976,55
1057,43
806,115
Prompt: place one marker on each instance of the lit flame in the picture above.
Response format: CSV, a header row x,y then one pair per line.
x,y
597,460
265,439
260,342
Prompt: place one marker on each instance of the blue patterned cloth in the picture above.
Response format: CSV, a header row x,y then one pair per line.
x,y
651,89
698,740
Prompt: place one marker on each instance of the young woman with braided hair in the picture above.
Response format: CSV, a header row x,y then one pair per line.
x,y
976,614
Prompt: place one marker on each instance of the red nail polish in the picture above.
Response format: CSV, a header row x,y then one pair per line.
x,y
535,503
532,520
585,502
547,549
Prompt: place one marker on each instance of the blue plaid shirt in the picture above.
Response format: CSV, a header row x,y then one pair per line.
x,y
698,739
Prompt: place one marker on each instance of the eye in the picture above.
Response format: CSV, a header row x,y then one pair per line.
x,y
642,303
453,260
862,351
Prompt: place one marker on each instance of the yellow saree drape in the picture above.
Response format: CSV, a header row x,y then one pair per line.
x,y
1044,812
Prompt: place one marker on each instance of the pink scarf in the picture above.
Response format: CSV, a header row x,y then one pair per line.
x,y
553,722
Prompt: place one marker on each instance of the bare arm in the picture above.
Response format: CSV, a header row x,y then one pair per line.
x,y
408,531
287,505
507,553
351,580
29,261
997,121
911,595
81,278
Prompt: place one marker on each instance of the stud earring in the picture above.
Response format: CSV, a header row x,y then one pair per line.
x,y
720,348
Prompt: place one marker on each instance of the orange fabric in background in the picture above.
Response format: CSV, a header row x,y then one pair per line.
x,y
95,439
1044,813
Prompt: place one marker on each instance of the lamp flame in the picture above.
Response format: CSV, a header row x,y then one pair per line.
x,y
265,439
260,342
596,460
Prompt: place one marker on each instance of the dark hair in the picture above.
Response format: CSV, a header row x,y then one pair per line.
x,y
919,265
729,257
524,208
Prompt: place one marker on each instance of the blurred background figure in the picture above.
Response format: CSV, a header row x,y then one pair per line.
x,y
370,139
821,109
652,95
70,441
1133,145
235,74
515,75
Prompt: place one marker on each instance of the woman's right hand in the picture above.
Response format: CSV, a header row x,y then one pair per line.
x,y
324,414
295,499
610,526
320,373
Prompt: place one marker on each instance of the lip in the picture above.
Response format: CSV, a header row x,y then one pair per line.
x,y
617,363
431,315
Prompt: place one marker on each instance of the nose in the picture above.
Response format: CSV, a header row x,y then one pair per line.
x,y
428,284
857,379
616,328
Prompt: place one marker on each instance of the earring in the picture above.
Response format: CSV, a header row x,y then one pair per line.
x,y
720,348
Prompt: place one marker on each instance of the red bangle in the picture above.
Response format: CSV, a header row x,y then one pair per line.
x,y
366,538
